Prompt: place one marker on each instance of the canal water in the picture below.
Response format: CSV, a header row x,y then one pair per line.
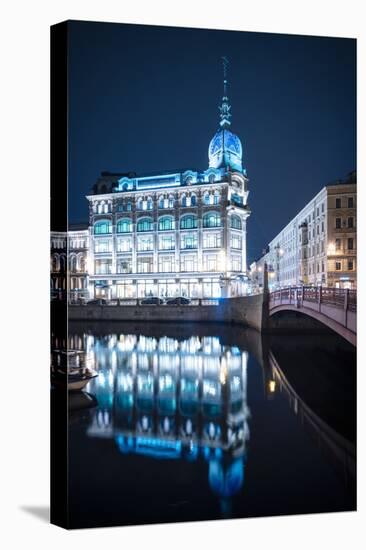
x,y
190,422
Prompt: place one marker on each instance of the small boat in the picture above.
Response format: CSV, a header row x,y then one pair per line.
x,y
75,381
69,369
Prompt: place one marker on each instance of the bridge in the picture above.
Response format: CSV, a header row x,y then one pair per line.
x,y
335,308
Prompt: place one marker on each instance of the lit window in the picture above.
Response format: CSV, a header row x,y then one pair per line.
x,y
166,264
145,243
166,223
102,227
235,241
212,219
206,198
124,245
189,241
145,224
235,263
210,262
188,222
211,240
102,245
188,263
166,242
124,265
145,265
124,226
103,267
235,222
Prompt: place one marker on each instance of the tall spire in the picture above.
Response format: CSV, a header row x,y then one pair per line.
x,y
225,108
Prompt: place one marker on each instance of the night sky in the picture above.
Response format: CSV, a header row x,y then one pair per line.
x,y
145,99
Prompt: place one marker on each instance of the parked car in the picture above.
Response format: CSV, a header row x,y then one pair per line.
x,y
97,302
152,301
178,301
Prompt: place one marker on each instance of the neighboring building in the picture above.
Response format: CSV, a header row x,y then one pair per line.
x,y
177,233
73,245
318,246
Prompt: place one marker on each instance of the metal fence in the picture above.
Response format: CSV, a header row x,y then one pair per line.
x,y
336,297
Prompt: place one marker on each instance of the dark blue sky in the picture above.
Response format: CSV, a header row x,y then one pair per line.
x,y
146,99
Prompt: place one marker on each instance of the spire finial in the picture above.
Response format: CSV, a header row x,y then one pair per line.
x,y
225,64
225,107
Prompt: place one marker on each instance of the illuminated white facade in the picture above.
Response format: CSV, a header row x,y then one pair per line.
x,y
318,246
69,264
174,233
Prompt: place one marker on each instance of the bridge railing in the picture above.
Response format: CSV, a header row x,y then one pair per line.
x,y
337,297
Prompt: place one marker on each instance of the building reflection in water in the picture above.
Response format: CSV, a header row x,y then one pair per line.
x,y
171,399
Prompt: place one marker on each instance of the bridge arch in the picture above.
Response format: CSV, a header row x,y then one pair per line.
x,y
333,308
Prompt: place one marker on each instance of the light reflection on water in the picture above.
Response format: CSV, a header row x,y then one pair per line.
x,y
204,423
170,399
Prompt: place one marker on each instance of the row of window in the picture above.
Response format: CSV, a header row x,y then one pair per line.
x,y
185,200
350,265
167,242
338,244
167,264
350,202
349,223
166,223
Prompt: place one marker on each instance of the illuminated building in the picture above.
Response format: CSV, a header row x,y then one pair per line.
x,y
318,246
69,257
176,233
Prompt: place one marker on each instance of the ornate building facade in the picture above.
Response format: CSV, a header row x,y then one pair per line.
x,y
69,263
174,233
318,246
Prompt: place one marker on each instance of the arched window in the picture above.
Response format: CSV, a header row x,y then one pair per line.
x,y
206,198
188,222
100,208
212,219
216,197
120,207
184,200
211,178
193,200
166,223
124,226
73,264
55,263
161,201
235,222
149,203
129,206
139,204
145,224
106,208
62,263
82,264
102,227
171,201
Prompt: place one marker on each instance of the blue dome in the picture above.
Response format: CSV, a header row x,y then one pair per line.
x,y
225,149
